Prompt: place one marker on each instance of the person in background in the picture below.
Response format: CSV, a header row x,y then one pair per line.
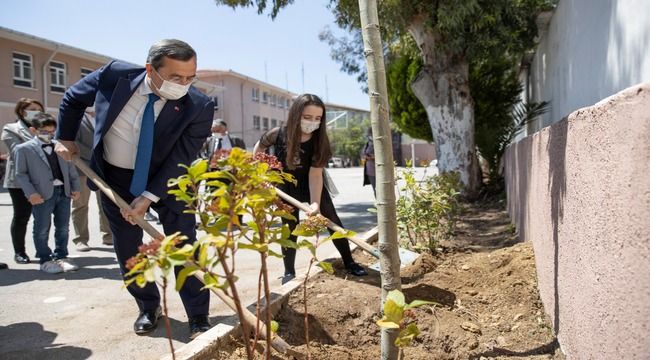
x,y
368,154
220,140
303,148
80,205
48,183
14,134
148,121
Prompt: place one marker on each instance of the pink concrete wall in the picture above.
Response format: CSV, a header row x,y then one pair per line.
x,y
580,191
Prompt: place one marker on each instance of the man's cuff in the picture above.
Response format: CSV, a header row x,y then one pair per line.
x,y
150,196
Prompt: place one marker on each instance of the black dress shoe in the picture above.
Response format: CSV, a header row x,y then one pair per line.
x,y
198,325
3,266
288,276
147,321
21,258
356,269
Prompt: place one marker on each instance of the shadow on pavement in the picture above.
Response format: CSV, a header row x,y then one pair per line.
x,y
14,276
41,344
356,216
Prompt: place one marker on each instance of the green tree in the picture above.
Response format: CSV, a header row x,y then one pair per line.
x,y
449,35
348,142
406,110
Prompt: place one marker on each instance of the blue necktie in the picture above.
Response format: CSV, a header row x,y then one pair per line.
x,y
145,147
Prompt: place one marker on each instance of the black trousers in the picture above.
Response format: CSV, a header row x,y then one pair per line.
x,y
22,213
127,238
327,210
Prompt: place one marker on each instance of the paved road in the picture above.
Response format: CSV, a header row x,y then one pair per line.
x,y
87,314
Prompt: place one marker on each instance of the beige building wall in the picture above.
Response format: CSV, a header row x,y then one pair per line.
x,y
42,52
580,191
242,106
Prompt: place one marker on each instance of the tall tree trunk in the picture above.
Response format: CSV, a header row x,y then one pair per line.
x,y
442,86
385,171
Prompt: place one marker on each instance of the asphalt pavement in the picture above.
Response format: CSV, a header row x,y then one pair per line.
x,y
88,314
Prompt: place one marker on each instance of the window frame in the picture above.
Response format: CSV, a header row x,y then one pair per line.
x,y
57,87
256,122
22,62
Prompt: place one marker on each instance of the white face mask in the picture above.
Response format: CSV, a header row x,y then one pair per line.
x,y
170,90
308,126
30,114
46,138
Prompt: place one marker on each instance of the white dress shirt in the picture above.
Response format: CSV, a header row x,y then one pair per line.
x,y
121,140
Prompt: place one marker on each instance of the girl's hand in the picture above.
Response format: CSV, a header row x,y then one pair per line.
x,y
314,209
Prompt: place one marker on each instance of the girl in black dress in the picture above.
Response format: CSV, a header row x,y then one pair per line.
x,y
303,148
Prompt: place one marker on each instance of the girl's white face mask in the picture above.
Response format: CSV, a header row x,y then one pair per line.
x,y
308,126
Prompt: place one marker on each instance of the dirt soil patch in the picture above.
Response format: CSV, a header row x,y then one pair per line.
x,y
483,278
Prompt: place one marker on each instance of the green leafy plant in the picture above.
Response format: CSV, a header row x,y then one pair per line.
x,y
427,210
243,185
397,315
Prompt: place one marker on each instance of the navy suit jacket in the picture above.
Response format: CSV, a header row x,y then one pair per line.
x,y
179,133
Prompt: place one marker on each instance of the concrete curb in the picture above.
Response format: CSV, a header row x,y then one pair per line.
x,y
220,334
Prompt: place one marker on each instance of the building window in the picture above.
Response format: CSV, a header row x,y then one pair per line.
x,y
256,122
274,99
265,123
85,71
265,98
274,123
280,102
23,70
57,76
216,103
255,94
287,104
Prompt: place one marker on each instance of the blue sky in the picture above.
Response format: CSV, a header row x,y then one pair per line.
x,y
224,38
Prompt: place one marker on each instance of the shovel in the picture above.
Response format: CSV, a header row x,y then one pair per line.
x,y
405,256
277,343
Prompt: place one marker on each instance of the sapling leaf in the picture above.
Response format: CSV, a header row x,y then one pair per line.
x,y
183,274
407,335
326,266
416,303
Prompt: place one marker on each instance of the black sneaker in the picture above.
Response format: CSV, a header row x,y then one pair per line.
x,y
356,269
22,258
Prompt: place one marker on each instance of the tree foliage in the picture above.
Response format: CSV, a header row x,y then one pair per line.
x,y
406,110
349,142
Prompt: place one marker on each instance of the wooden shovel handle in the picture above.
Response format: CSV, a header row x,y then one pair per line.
x,y
355,239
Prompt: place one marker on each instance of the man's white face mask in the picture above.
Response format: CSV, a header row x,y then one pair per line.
x,y
170,90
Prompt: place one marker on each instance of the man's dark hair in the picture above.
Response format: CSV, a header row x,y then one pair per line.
x,y
171,48
42,120
222,123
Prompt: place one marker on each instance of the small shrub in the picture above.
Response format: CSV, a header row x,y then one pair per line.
x,y
427,210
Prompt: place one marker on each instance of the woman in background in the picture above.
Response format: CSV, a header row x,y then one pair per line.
x,y
14,134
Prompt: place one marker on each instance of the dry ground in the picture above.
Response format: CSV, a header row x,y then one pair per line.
x,y
484,280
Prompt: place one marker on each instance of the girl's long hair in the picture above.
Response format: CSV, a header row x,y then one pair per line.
x,y
322,150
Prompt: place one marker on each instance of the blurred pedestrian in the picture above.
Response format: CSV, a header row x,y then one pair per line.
x,y
220,140
368,155
80,205
14,134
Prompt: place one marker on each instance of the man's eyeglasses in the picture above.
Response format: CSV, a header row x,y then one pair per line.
x,y
181,80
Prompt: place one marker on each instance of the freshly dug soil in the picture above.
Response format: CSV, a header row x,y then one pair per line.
x,y
483,279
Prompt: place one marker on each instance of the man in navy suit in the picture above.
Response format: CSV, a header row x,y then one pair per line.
x,y
148,120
